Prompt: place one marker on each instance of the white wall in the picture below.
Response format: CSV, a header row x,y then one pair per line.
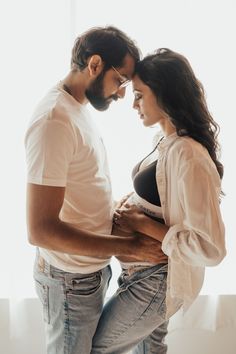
x,y
36,41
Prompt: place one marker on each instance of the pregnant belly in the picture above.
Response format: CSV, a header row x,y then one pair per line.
x,y
116,231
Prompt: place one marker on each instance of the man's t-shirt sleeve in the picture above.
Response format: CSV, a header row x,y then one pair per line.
x,y
49,148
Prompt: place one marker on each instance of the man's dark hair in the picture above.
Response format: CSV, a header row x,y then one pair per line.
x,y
109,42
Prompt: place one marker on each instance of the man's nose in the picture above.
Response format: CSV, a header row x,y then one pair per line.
x,y
121,92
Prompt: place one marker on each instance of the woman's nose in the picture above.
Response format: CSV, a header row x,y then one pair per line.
x,y
135,105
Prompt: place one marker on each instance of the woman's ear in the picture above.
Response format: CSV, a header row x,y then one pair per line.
x,y
95,65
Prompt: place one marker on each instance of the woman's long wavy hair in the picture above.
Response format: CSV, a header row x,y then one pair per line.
x,y
181,95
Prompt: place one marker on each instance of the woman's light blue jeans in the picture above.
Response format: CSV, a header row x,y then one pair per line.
x,y
72,306
135,316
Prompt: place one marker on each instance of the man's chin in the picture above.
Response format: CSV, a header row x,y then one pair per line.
x,y
101,106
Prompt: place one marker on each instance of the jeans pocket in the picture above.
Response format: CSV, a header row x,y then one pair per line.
x,y
43,294
149,280
84,285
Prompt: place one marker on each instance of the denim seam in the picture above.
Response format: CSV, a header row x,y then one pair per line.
x,y
66,322
143,313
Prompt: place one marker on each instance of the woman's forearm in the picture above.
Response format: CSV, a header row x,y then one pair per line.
x,y
153,228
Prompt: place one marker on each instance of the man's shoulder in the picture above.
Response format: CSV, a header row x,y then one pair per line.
x,y
55,108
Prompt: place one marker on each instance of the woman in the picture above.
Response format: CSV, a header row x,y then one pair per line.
x,y
179,182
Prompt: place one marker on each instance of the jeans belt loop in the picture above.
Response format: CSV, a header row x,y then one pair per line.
x,y
41,264
44,267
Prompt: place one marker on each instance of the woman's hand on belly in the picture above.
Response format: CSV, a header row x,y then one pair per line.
x,y
133,219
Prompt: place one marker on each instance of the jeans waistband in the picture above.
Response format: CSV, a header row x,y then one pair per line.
x,y
51,271
135,268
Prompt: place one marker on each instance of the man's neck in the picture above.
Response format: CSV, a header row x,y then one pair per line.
x,y
75,84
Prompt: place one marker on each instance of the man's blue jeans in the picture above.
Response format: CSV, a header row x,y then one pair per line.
x,y
135,316
72,306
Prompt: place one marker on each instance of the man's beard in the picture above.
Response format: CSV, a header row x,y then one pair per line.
x,y
95,94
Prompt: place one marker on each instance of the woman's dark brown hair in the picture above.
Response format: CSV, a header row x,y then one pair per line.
x,y
181,95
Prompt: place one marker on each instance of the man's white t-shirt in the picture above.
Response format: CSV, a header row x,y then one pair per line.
x,y
65,149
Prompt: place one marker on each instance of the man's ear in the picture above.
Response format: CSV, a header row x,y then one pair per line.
x,y
95,65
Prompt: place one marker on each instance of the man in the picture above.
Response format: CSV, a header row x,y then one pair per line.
x,y
69,199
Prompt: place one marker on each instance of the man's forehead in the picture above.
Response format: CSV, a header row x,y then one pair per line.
x,y
127,69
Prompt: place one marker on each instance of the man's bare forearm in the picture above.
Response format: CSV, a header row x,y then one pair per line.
x,y
62,237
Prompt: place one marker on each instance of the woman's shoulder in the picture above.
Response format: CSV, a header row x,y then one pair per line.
x,y
189,153
189,148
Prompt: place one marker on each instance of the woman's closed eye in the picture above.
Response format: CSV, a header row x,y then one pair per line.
x,y
137,96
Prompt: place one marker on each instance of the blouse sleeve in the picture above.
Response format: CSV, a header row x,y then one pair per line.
x,y
199,239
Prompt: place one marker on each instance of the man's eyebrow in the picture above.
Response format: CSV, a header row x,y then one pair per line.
x,y
121,75
125,77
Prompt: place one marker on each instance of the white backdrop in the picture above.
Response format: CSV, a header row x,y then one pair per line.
x,y
36,41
